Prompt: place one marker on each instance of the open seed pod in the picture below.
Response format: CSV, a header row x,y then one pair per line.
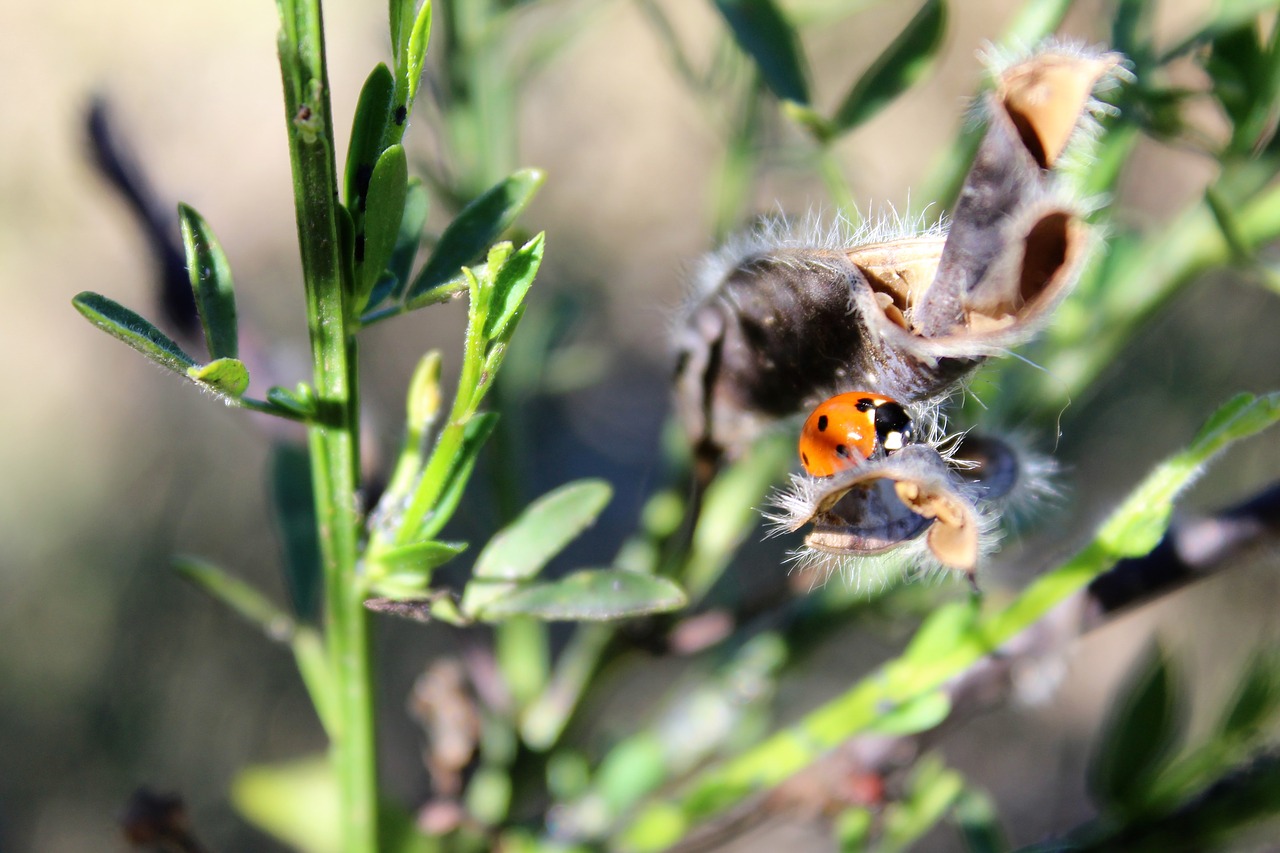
x,y
783,319
918,497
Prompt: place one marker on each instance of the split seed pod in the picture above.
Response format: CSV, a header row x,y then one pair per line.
x,y
782,321
919,496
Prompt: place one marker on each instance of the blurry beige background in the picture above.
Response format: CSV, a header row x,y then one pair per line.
x,y
113,673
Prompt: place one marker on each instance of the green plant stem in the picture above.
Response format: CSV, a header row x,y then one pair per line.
x,y
334,435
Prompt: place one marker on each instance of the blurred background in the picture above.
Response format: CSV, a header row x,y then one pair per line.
x,y
115,674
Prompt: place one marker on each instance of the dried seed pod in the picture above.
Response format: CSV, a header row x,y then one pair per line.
x,y
938,502
785,319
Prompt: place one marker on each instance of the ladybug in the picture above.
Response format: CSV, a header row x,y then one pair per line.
x,y
851,427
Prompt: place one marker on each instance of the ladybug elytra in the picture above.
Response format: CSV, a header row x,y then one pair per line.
x,y
851,427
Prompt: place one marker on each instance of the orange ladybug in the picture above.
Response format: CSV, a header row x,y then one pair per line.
x,y
852,427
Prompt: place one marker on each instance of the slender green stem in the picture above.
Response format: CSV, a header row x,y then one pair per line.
x,y
334,435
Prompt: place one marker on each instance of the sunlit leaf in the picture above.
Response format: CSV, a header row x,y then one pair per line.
x,y
296,802
475,228
523,547
226,376
420,557
510,285
125,325
211,282
588,595
417,52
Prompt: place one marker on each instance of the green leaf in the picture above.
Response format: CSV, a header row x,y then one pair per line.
x,y
473,230
416,205
295,516
123,324
904,62
588,595
210,275
417,52
373,114
1257,699
1143,730
523,656
523,547
768,38
419,558
476,433
510,286
296,802
226,376
387,193
246,601
301,402
400,12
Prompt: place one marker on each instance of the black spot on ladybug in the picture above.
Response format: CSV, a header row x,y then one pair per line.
x,y
401,114
804,457
866,404
822,423
364,174
842,451
359,248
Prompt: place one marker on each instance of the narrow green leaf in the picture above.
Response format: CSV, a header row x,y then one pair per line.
x,y
1143,730
510,285
477,432
419,557
764,34
295,516
588,595
210,275
522,548
416,205
384,213
903,63
1257,699
123,324
417,53
373,114
226,376
475,228
246,601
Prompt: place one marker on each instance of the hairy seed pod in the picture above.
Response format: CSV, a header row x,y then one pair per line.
x,y
783,320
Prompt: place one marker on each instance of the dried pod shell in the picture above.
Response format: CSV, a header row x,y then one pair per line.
x,y
883,505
